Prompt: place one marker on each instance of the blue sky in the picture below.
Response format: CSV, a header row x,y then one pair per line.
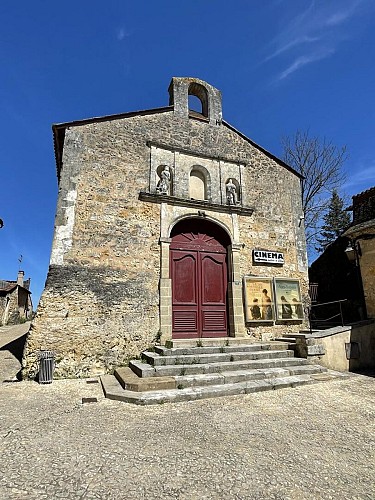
x,y
281,65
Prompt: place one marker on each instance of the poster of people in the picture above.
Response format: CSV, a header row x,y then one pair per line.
x,y
259,300
288,299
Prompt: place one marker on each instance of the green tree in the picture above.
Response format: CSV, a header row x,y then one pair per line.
x,y
335,220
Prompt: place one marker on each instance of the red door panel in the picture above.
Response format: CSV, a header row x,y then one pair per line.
x,y
199,288
185,321
213,281
184,273
184,277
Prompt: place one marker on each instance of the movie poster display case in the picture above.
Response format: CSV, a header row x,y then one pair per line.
x,y
259,299
272,299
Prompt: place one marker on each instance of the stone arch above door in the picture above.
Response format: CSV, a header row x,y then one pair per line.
x,y
227,227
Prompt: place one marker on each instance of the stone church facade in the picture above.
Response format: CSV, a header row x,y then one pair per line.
x,y
161,216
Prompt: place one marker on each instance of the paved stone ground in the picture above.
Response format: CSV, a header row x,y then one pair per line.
x,y
312,442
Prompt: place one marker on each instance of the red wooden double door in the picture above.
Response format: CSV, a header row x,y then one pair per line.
x,y
198,263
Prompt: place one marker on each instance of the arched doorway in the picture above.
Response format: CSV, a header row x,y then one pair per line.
x,y
199,274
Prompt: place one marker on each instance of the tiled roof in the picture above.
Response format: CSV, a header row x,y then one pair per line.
x,y
8,287
364,206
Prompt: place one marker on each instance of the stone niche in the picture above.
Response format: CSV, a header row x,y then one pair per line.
x,y
195,177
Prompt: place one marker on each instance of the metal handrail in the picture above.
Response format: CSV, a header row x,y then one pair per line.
x,y
328,319
324,304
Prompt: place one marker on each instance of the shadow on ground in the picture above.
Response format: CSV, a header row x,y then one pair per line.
x,y
365,373
16,347
12,352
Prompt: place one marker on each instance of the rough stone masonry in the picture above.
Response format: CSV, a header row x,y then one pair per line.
x,y
108,293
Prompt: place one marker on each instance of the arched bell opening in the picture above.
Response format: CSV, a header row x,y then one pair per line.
x,y
198,99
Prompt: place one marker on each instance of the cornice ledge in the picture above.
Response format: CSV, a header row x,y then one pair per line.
x,y
190,203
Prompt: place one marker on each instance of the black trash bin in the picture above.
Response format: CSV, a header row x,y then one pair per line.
x,y
46,367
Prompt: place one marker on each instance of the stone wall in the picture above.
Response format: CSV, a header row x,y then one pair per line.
x,y
3,303
362,240
100,305
9,309
348,348
367,265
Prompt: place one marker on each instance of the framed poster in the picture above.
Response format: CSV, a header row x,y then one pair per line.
x,y
288,299
259,301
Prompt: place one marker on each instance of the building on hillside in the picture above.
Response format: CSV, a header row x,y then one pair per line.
x,y
15,300
170,223
337,279
362,243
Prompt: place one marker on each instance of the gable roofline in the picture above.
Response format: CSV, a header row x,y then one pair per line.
x,y
58,131
267,153
9,288
12,286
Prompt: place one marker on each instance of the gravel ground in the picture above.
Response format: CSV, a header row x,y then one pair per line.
x,y
312,442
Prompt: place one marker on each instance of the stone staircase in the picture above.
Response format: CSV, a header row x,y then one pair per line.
x,y
185,370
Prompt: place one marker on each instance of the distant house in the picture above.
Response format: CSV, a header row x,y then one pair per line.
x,y
15,300
346,269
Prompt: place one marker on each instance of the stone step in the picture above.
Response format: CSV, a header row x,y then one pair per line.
x,y
113,390
294,335
228,377
130,381
290,343
185,371
145,370
207,342
285,339
182,351
155,359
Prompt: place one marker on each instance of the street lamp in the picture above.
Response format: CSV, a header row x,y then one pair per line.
x,y
353,250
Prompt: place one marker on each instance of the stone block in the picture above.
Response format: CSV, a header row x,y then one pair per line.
x,y
131,382
315,350
258,386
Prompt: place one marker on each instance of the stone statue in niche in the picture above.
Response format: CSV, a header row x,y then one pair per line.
x,y
163,186
232,197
